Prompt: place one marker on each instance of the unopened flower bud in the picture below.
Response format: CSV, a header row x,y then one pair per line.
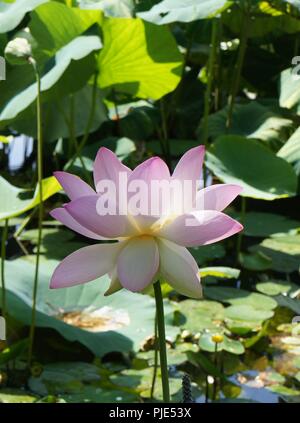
x,y
19,50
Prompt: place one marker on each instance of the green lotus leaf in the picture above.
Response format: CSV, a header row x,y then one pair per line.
x,y
82,313
15,200
237,160
138,58
11,14
168,11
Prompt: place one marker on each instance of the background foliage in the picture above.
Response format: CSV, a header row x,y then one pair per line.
x,y
143,78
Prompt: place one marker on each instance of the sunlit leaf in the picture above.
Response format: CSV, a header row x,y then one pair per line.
x,y
220,272
16,201
168,11
138,58
289,88
11,14
79,48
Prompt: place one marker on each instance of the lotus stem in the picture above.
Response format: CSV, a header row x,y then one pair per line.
x,y
207,95
215,386
238,68
40,209
240,234
165,135
3,255
155,358
162,341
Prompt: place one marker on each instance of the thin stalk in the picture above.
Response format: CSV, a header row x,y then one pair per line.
x,y
217,70
207,95
24,223
115,103
240,234
40,209
89,122
3,256
206,390
215,386
155,358
296,46
165,135
162,341
210,74
161,141
238,68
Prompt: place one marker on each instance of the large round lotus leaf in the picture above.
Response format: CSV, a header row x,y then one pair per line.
x,y
242,161
119,322
144,61
236,296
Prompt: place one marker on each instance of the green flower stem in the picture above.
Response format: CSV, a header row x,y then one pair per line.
x,y
238,68
240,234
24,223
40,209
210,74
207,96
165,135
3,255
162,341
215,386
155,358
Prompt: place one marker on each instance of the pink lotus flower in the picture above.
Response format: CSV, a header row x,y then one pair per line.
x,y
148,246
